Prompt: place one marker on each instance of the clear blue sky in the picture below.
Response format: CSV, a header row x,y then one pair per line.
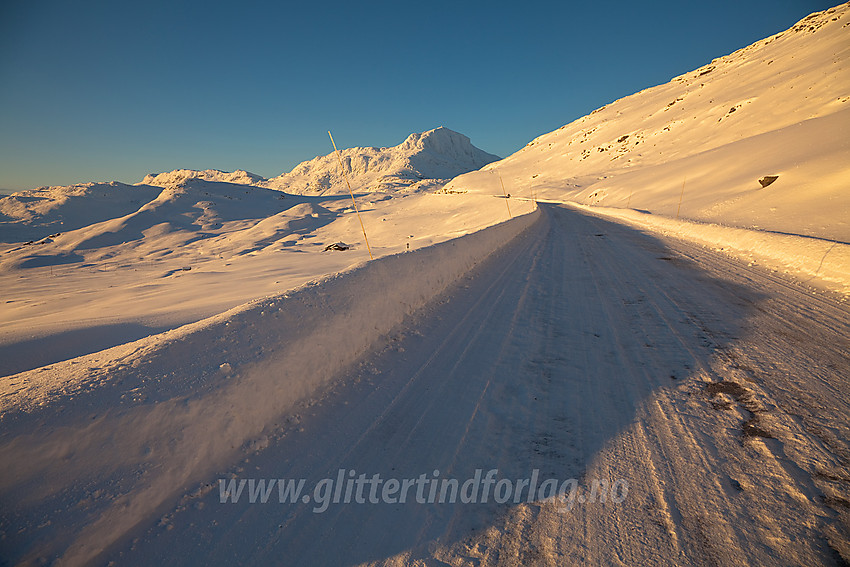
x,y
100,91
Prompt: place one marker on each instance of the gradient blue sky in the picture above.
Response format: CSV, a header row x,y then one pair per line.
x,y
100,91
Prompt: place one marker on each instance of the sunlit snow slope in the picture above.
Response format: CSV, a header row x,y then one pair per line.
x,y
93,265
778,107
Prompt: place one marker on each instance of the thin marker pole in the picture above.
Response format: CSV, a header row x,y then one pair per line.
x,y
505,193
350,192
680,198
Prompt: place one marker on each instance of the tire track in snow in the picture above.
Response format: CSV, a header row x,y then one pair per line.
x,y
465,332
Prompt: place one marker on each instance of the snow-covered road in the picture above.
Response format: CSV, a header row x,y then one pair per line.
x,y
585,350
707,399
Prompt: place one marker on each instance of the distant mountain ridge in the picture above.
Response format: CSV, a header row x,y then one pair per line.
x,y
438,154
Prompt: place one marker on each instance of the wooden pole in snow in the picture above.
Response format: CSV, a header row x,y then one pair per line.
x,y
505,193
680,198
350,192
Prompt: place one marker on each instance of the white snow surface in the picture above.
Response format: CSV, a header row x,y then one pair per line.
x,y
157,337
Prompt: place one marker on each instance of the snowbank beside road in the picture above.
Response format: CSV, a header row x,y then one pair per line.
x,y
816,261
174,406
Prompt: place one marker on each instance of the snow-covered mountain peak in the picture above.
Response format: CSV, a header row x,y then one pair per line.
x,y
440,140
437,154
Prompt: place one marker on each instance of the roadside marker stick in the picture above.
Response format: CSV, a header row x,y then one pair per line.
x,y
505,193
680,198
350,192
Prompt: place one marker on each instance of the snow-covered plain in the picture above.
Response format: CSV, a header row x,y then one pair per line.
x,y
160,337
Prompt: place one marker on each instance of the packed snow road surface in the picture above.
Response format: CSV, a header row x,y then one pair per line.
x,y
705,399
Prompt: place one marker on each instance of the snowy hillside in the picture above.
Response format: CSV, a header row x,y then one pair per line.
x,y
28,215
780,107
436,154
91,266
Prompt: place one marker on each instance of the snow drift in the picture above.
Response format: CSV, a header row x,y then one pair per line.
x,y
825,263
